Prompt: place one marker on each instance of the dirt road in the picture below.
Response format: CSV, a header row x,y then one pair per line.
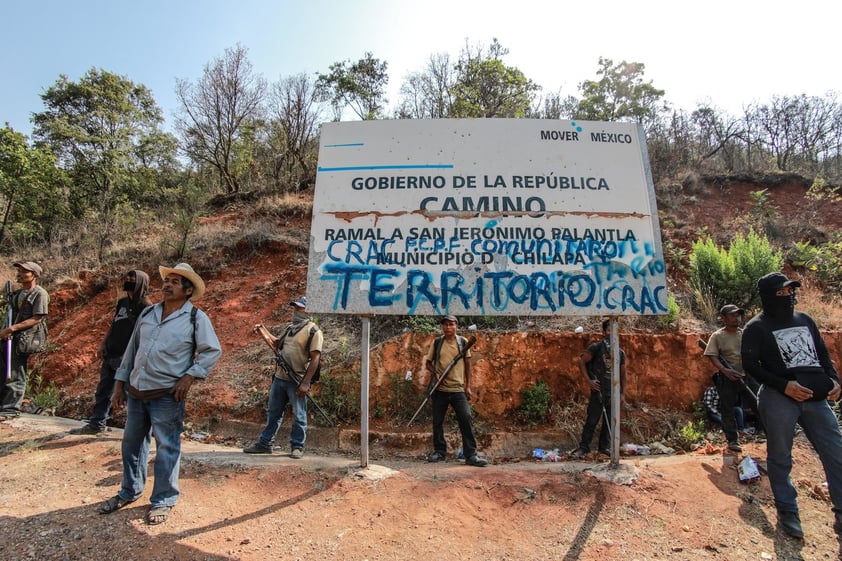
x,y
238,507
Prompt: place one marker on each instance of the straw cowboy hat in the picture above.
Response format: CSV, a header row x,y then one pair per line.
x,y
186,271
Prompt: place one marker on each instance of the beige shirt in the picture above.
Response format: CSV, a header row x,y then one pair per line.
x,y
455,379
728,345
295,351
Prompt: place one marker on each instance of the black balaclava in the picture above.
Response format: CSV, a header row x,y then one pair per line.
x,y
779,307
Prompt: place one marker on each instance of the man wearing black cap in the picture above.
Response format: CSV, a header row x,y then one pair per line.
x,y
784,351
301,349
723,350
29,307
453,391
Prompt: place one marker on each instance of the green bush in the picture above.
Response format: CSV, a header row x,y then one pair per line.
x,y
673,311
43,396
826,262
689,436
729,276
423,324
339,396
534,404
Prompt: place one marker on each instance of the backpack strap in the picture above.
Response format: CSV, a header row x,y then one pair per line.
x,y
313,331
193,312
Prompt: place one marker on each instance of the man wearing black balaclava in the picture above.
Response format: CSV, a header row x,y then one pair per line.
x,y
783,350
129,307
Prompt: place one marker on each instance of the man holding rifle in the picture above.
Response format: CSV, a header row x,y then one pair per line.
x,y
723,351
300,352
595,366
453,389
29,306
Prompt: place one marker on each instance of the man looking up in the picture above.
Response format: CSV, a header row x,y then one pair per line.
x,y
172,345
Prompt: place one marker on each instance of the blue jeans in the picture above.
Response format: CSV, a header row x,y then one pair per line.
x,y
102,397
281,393
779,414
459,402
163,417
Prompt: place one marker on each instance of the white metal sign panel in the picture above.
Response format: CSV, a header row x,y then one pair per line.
x,y
485,217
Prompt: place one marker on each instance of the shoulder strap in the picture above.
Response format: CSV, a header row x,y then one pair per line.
x,y
460,343
193,313
437,350
313,331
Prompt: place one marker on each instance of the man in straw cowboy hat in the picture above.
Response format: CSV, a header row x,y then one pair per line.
x,y
173,344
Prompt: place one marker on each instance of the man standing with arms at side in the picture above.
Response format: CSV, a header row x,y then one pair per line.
x,y
454,391
784,351
111,351
725,344
172,345
30,305
595,366
301,349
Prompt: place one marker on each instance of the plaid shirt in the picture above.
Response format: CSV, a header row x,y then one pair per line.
x,y
711,400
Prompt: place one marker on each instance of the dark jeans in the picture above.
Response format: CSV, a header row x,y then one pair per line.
x,y
441,400
729,392
12,391
731,395
104,390
595,413
780,413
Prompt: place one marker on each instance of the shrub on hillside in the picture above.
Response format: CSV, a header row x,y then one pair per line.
x,y
729,276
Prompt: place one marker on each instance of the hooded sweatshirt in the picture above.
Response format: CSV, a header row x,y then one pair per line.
x,y
125,317
781,345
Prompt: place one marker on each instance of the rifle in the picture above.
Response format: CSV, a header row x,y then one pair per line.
x,y
9,324
447,369
703,344
279,360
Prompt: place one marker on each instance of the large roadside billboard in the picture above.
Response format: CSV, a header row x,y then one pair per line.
x,y
485,217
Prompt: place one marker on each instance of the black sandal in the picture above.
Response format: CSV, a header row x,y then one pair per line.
x,y
158,515
113,504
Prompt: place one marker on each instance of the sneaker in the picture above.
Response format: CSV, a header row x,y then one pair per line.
x,y
435,457
790,523
297,453
476,461
258,448
735,446
87,429
605,451
579,453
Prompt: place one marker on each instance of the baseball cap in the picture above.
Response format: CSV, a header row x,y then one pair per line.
x,y
449,318
771,283
300,303
30,266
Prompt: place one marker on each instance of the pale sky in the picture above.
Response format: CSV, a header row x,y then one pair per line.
x,y
730,53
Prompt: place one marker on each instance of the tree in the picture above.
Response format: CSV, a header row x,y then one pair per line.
x,y
485,87
620,94
96,127
293,124
718,134
360,85
217,112
429,94
30,186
